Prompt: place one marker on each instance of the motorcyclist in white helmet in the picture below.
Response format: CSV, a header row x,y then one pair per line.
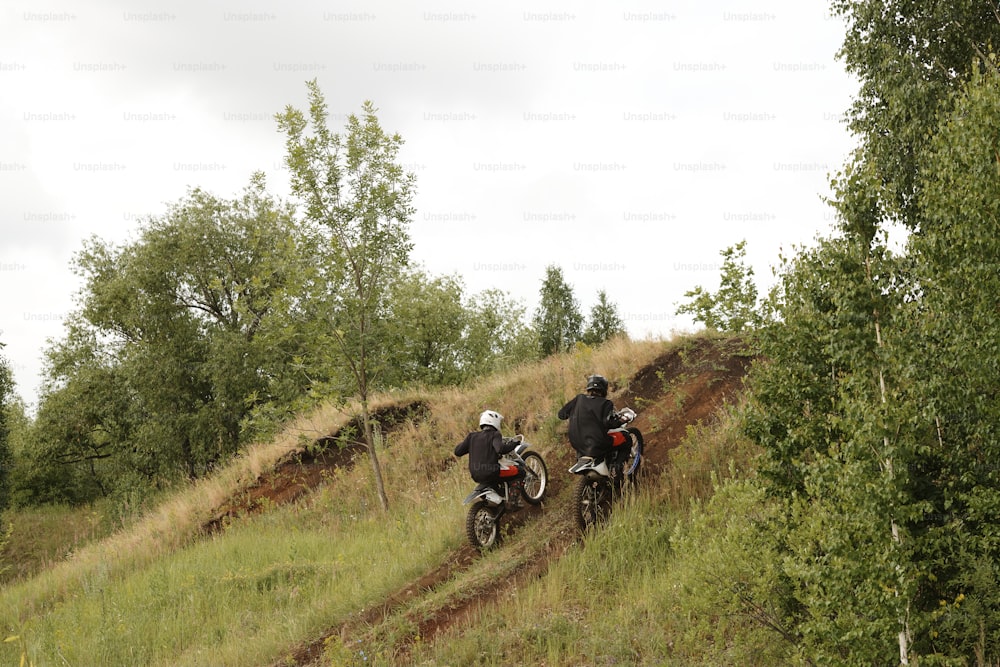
x,y
485,447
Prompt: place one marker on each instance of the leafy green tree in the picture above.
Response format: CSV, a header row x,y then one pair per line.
x,y
734,307
57,457
496,334
6,401
427,323
915,63
604,322
443,337
873,410
353,185
179,335
211,294
82,435
557,319
823,406
952,374
908,57
7,406
874,404
19,427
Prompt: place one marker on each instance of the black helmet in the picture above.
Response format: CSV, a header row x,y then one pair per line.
x,y
597,384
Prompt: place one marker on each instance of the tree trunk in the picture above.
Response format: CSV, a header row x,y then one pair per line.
x,y
904,625
372,455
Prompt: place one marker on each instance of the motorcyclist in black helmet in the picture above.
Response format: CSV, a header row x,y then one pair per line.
x,y
591,415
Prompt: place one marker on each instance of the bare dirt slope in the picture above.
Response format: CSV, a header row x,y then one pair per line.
x,y
681,388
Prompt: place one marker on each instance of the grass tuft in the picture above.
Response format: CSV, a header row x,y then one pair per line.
x,y
162,591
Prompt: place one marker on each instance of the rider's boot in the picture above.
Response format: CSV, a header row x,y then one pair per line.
x,y
517,494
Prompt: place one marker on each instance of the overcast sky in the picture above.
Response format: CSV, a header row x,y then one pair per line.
x,y
628,143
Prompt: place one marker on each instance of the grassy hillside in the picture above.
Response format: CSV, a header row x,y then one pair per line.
x,y
284,557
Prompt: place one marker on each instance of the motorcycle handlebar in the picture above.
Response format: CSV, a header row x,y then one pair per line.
x,y
626,414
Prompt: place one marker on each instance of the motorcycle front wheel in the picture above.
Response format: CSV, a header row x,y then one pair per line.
x,y
536,478
591,502
633,463
482,526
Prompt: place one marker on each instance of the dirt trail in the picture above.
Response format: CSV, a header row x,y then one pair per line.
x,y
680,388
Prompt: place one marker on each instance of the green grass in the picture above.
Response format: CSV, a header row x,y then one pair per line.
x,y
656,586
683,574
240,598
646,589
43,536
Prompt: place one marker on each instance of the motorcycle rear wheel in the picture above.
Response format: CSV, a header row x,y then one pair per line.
x,y
591,502
536,479
482,526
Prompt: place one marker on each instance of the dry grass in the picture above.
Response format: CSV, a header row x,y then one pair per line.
x,y
318,552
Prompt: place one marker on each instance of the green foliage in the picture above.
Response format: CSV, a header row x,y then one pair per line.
x,y
63,456
360,201
880,501
604,322
957,339
497,336
442,337
824,407
6,414
426,323
557,320
870,402
875,407
179,336
12,419
734,307
822,336
728,581
908,57
353,187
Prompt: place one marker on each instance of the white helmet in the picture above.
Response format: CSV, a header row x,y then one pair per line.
x,y
490,418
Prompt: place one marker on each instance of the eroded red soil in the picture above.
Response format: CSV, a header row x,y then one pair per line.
x,y
679,389
304,470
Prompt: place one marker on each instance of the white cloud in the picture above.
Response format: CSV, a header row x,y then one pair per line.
x,y
628,144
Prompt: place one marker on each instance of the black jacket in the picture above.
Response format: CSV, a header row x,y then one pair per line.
x,y
590,419
484,449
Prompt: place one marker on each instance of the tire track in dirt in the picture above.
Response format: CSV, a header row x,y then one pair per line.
x,y
679,389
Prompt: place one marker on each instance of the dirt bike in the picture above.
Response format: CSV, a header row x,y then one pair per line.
x,y
603,479
490,502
